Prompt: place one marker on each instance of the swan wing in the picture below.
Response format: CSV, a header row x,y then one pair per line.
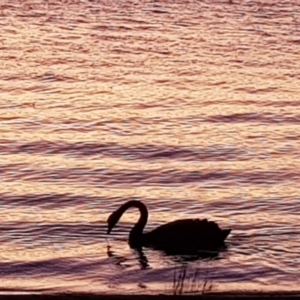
x,y
191,233
188,225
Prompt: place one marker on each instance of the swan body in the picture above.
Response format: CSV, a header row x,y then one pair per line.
x,y
185,234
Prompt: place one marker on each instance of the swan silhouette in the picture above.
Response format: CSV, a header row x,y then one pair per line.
x,y
180,235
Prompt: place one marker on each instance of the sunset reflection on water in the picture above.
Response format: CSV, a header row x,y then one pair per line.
x,y
189,106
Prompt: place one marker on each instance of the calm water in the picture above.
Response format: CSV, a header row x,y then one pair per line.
x,y
191,106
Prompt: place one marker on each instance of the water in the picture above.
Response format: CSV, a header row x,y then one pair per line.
x,y
190,106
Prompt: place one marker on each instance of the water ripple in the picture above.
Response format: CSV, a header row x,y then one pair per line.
x,y
105,177
130,152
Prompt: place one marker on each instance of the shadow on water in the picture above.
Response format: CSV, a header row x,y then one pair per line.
x,y
183,282
50,267
107,204
185,278
238,204
266,118
119,260
126,152
178,257
101,177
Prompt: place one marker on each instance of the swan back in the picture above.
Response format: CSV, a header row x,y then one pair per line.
x,y
187,233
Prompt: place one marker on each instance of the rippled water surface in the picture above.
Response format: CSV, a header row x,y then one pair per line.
x,y
190,106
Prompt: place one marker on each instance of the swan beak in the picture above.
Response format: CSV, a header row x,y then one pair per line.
x,y
108,230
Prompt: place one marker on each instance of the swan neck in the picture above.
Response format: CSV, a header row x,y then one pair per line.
x,y
142,221
136,233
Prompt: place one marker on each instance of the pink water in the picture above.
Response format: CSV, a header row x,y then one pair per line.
x,y
189,106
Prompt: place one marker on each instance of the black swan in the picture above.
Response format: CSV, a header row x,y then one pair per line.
x,y
186,234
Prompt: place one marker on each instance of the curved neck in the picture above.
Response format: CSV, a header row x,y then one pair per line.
x,y
136,232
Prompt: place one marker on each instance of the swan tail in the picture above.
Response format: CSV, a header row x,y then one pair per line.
x,y
225,233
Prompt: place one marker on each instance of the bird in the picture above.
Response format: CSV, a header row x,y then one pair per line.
x,y
184,235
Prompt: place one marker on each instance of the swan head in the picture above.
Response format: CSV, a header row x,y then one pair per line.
x,y
112,220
